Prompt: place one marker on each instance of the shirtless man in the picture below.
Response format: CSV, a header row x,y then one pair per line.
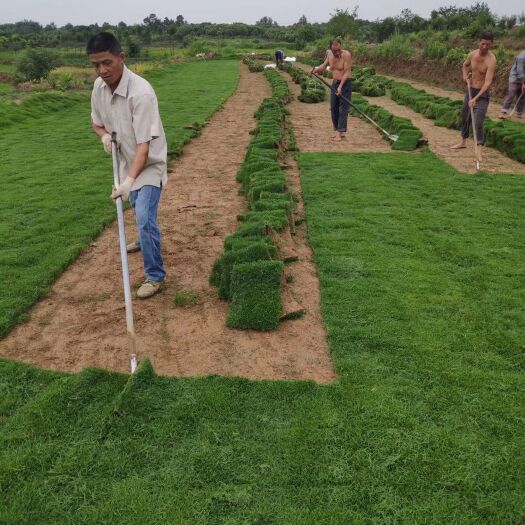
x,y
482,64
340,62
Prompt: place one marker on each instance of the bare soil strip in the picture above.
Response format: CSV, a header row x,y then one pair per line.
x,y
440,139
313,128
82,320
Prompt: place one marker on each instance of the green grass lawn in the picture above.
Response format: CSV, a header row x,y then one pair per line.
x,y
56,180
421,271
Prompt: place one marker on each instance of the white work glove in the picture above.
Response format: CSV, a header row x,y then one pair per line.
x,y
123,190
106,140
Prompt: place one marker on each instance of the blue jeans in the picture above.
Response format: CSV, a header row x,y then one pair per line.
x,y
340,107
145,202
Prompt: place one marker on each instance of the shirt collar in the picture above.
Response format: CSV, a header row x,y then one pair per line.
x,y
122,88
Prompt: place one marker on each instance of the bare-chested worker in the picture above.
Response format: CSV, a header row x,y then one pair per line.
x,y
482,64
340,62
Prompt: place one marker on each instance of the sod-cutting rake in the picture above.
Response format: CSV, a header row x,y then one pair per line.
x,y
124,258
473,121
391,137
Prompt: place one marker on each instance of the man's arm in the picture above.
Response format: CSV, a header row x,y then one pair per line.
x,y
139,160
137,165
520,69
347,65
322,67
99,130
466,66
489,77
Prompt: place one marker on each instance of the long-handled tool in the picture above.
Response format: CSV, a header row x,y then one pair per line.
x,y
517,102
474,132
391,137
124,258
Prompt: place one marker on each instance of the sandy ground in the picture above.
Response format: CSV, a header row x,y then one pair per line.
x,y
440,139
82,320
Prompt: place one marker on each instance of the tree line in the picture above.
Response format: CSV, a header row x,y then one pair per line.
x,y
343,22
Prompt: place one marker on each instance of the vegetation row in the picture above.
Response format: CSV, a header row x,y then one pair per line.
x,y
366,82
247,273
311,90
409,135
253,66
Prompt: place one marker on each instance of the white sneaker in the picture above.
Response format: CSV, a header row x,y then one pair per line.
x,y
149,288
133,247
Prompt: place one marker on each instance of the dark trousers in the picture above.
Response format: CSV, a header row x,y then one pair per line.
x,y
480,111
514,91
340,107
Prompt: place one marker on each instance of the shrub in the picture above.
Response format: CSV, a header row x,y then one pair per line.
x,y
435,50
35,64
132,47
456,55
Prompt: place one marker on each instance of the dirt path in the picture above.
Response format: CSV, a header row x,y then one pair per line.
x,y
82,320
494,106
440,139
313,128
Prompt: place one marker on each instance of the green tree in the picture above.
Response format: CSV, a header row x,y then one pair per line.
x,y
343,23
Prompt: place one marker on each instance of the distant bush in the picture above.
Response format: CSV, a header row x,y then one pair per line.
x,y
398,46
435,50
132,47
35,64
455,55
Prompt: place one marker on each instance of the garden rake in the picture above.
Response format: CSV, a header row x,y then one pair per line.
x,y
474,132
391,137
124,258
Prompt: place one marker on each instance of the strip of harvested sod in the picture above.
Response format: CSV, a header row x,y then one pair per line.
x,y
56,180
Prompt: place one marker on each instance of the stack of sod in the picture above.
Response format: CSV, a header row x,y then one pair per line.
x,y
409,135
506,136
311,90
445,112
366,82
254,67
247,273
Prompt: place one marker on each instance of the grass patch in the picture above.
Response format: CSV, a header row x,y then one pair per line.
x,y
188,298
421,270
56,179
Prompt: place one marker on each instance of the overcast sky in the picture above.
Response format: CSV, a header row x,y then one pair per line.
x,y
284,11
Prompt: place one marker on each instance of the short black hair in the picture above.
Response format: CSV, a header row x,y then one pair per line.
x,y
487,35
102,42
